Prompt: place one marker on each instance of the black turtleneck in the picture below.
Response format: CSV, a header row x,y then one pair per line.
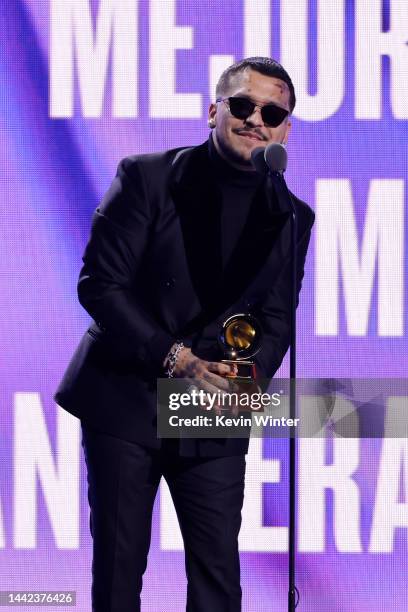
x,y
237,189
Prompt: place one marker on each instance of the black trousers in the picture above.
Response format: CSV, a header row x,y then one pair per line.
x,y
123,478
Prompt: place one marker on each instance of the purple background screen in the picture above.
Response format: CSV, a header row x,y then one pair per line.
x,y
84,84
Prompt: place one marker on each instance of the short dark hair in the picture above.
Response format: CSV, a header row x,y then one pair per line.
x,y
264,65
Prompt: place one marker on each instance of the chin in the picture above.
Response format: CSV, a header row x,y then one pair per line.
x,y
242,153
245,151
245,155
238,155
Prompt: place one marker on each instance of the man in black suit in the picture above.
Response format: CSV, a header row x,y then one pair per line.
x,y
181,240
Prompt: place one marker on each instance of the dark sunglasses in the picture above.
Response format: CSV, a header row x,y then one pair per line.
x,y
242,108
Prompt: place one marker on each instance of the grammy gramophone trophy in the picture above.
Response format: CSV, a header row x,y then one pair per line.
x,y
240,339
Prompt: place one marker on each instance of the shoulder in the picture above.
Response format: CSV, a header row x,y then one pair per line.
x,y
154,163
138,179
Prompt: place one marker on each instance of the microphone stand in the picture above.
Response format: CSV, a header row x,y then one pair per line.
x,y
283,193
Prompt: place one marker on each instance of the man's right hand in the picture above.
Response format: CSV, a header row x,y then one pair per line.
x,y
211,375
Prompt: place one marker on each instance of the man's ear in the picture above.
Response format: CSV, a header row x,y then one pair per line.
x,y
287,132
212,111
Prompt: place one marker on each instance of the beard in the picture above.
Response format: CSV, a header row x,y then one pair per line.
x,y
237,156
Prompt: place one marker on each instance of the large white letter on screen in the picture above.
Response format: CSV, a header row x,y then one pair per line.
x,y
315,477
382,243
72,35
59,480
330,55
165,38
391,512
254,536
371,44
257,28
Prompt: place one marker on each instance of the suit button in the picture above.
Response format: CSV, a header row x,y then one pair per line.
x,y
170,282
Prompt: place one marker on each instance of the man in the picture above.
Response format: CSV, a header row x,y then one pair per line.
x,y
182,240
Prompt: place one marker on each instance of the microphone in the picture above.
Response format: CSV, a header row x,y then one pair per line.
x,y
258,160
276,157
272,158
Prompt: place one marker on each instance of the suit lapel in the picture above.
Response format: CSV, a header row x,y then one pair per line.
x,y
198,202
264,241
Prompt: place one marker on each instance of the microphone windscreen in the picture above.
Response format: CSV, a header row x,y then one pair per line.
x,y
276,157
258,160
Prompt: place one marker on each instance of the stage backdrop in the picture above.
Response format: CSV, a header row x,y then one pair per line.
x,y
86,83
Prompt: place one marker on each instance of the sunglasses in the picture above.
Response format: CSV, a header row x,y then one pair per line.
x,y
242,108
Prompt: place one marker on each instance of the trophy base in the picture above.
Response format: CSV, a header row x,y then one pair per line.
x,y
246,370
244,382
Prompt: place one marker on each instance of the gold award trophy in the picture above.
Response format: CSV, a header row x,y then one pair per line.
x,y
240,339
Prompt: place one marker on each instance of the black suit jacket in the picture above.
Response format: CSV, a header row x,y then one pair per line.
x,y
152,274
